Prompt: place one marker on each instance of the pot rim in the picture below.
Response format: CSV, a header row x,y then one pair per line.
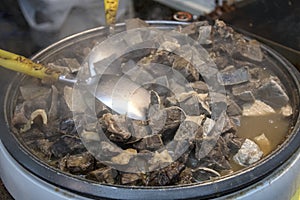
x,y
208,189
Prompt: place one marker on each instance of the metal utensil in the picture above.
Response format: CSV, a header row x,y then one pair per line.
x,y
117,92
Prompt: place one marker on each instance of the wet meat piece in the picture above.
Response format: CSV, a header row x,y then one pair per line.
x,y
222,31
234,77
217,158
248,50
186,176
59,149
229,125
44,145
150,143
272,94
117,127
124,157
33,91
233,109
233,142
205,35
79,164
174,117
246,96
67,126
33,135
258,108
67,145
192,106
199,86
164,176
185,68
192,28
103,175
130,179
245,93
248,154
164,119
217,103
160,57
32,105
19,118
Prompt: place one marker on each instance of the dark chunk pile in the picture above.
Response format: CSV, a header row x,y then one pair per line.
x,y
44,121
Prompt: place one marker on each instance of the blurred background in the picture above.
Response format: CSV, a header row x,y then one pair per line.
x,y
28,26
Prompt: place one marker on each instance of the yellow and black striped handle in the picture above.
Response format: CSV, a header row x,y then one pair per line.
x,y
26,66
111,7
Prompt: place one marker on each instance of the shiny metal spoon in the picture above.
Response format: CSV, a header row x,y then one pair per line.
x,y
117,92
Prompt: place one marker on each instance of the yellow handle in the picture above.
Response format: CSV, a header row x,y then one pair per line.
x,y
111,7
26,66
297,195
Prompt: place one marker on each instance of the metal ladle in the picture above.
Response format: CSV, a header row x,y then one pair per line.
x,y
119,93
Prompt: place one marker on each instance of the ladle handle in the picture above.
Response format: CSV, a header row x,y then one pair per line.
x,y
111,7
26,66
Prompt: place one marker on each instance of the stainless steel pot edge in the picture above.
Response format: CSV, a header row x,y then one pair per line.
x,y
205,190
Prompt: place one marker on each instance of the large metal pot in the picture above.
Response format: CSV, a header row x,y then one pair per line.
x,y
277,175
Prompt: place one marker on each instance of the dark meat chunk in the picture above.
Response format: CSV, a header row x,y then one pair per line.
x,y
19,117
159,57
164,176
117,127
246,96
67,145
272,94
217,158
186,69
130,179
234,77
233,109
103,175
233,142
59,149
245,93
248,50
23,111
164,119
67,126
174,117
150,143
80,163
33,91
44,145
186,176
257,108
33,135
229,125
199,86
